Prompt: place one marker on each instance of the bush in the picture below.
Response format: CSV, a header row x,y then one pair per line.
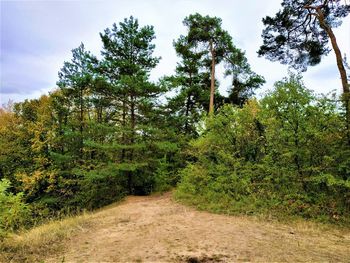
x,y
14,213
99,187
163,177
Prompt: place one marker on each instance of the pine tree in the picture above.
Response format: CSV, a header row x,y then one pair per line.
x,y
127,61
190,83
75,80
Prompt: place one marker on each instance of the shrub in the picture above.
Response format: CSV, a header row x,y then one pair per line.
x,y
14,213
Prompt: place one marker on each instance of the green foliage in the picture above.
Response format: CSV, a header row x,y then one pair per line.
x,y
127,51
14,213
12,146
298,34
279,156
163,177
100,186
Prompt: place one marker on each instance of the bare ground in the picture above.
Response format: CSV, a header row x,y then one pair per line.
x,y
157,229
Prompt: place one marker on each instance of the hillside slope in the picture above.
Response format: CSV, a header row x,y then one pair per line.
x,y
156,229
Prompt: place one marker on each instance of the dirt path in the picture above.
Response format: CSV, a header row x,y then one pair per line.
x,y
156,229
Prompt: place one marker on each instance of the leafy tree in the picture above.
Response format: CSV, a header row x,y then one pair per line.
x,y
305,145
289,109
283,154
34,132
220,176
11,151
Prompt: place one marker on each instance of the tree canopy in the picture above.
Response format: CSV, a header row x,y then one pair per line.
x,y
299,34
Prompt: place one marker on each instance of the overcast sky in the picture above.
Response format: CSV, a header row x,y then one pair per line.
x,y
38,36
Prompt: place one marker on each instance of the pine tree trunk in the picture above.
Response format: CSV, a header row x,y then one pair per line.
x,y
133,120
132,141
339,58
188,106
123,129
187,112
212,80
81,128
341,68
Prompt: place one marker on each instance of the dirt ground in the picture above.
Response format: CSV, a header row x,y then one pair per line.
x,y
157,229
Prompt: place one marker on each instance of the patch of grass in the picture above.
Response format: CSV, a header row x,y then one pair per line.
x,y
258,209
40,242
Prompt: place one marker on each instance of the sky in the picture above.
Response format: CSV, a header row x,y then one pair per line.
x,y
38,36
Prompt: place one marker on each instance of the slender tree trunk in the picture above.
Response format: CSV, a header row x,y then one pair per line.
x,y
133,125
187,111
99,114
188,105
341,68
338,56
123,128
81,128
60,132
133,119
212,80
132,141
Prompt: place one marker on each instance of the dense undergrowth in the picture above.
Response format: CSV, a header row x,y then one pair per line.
x,y
285,155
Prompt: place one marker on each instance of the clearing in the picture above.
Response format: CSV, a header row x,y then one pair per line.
x,y
157,229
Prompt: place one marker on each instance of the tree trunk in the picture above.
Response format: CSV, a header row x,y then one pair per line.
x,y
188,106
133,119
341,68
123,128
132,141
187,112
81,128
212,80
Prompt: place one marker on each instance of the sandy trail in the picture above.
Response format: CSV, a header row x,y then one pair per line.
x,y
156,229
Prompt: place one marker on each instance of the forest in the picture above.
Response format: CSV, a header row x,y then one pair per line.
x,y
108,131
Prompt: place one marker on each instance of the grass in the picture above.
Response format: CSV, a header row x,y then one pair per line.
x,y
253,208
41,242
37,243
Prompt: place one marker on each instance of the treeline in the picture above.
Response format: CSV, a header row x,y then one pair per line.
x,y
108,131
